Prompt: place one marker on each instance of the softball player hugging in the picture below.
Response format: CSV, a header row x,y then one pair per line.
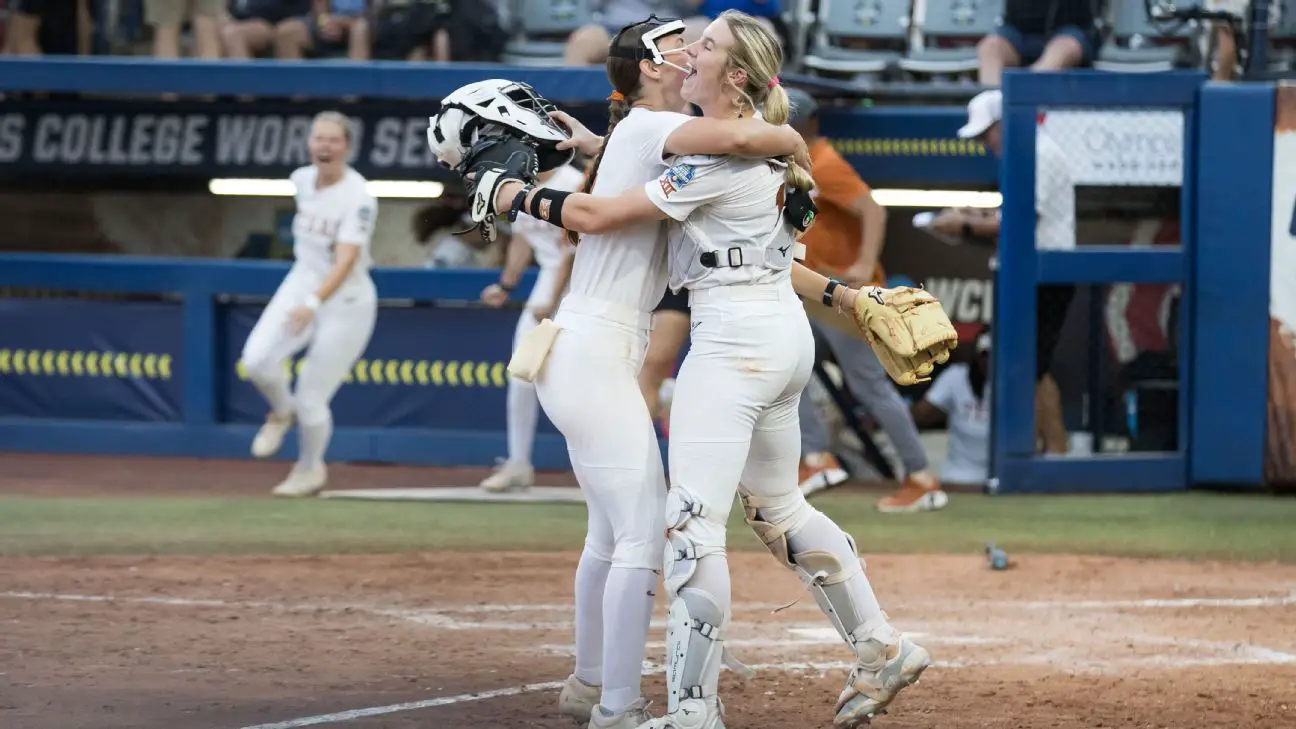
x,y
327,302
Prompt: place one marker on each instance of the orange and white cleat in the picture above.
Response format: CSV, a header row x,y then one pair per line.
x,y
820,471
919,492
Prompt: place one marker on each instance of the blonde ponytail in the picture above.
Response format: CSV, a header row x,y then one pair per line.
x,y
756,51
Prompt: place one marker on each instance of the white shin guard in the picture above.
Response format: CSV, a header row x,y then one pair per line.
x,y
825,575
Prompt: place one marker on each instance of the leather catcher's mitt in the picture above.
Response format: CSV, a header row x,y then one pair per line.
x,y
907,329
491,162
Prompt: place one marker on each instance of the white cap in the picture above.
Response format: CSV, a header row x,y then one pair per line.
x,y
984,109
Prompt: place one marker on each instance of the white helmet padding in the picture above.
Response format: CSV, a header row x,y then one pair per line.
x,y
650,51
496,107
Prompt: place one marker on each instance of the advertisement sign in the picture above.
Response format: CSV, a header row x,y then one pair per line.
x,y
1280,440
1119,148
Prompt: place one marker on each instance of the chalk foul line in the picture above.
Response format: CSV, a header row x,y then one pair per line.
x,y
353,714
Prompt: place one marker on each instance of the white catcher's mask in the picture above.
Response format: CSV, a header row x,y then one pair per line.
x,y
649,40
496,107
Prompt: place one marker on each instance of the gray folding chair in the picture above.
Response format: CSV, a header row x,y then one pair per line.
x,y
540,29
964,22
1136,45
883,24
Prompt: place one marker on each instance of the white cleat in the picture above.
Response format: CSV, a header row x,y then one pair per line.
x,y
509,476
578,699
302,482
269,438
691,714
869,691
631,717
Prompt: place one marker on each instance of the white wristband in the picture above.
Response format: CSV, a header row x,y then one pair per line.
x,y
312,302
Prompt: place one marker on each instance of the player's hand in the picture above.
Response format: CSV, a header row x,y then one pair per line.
x,y
582,138
300,318
333,28
494,295
859,274
543,311
802,156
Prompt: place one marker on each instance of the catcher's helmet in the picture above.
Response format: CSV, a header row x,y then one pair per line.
x,y
496,107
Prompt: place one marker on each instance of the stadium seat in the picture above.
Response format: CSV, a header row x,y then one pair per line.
x,y
1136,45
540,29
876,22
941,21
1282,38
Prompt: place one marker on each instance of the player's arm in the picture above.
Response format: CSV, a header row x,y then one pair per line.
x,y
517,257
753,138
353,234
579,211
812,285
927,415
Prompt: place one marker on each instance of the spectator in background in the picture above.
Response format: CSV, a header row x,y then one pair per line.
x,y
49,27
960,399
845,243
167,16
1054,230
251,29
438,30
333,29
1047,35
589,44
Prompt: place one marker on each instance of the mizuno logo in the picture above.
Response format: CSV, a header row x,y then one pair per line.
x,y
784,249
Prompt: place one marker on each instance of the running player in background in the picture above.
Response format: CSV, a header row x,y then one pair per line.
x,y
845,243
327,301
554,256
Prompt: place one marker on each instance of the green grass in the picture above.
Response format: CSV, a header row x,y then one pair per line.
x,y
1186,526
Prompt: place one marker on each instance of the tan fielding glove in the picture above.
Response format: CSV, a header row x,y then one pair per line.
x,y
907,329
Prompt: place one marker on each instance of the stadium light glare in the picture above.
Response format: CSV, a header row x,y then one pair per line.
x,y
937,199
284,188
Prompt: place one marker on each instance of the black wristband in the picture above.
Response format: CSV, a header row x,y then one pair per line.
x,y
547,205
506,287
828,291
518,201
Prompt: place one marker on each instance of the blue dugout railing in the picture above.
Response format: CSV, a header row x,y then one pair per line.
x,y
1225,203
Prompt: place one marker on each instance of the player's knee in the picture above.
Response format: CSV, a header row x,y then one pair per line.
x,y
600,547
694,532
261,367
312,411
639,551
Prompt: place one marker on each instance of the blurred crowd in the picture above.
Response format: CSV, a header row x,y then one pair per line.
x,y
891,40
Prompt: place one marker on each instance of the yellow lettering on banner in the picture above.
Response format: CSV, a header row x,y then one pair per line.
x,y
121,363
150,366
390,371
436,373
33,361
136,365
63,357
77,358
497,375
47,362
452,374
407,372
4,361
483,373
164,366
421,372
361,373
466,374
375,371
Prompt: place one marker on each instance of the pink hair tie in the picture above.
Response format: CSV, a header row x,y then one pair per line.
x,y
772,83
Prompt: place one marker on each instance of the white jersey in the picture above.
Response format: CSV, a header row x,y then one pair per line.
x,y
968,461
627,266
721,204
343,212
546,241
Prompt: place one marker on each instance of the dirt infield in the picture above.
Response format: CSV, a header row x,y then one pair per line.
x,y
450,641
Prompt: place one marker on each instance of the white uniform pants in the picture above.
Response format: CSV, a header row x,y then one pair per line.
x,y
589,388
734,414
336,337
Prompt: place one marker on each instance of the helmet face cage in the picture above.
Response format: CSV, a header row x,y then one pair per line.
x,y
649,39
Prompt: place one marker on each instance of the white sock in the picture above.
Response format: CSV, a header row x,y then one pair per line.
x,y
821,533
313,441
591,581
275,391
523,413
627,612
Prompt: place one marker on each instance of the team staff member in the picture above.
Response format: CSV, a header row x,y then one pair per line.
x,y
845,243
1054,230
327,301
